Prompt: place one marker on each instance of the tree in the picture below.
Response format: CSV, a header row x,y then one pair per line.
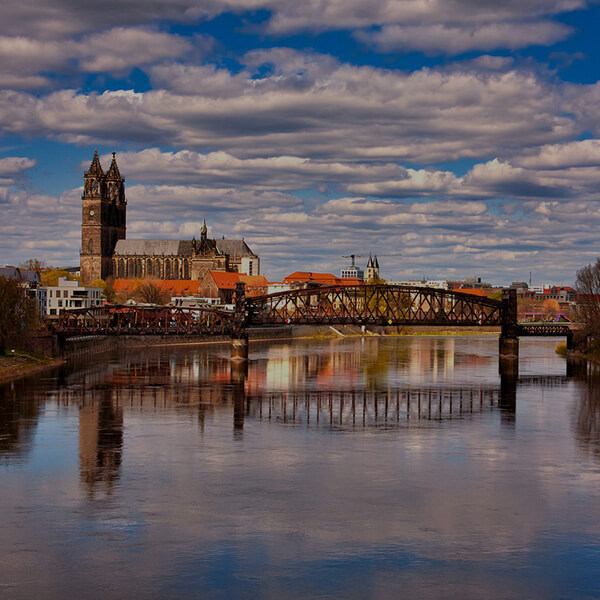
x,y
550,306
587,285
50,277
107,287
151,293
34,264
18,314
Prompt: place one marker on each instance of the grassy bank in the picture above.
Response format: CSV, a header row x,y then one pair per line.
x,y
326,333
20,364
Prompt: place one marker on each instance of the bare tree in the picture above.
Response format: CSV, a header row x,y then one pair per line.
x,y
151,293
34,264
18,314
587,285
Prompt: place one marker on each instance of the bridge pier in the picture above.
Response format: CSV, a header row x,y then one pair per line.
x,y
570,340
237,377
239,349
239,341
508,345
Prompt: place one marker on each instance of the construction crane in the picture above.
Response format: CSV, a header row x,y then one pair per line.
x,y
353,257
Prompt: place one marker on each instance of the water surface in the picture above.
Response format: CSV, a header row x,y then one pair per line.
x,y
358,468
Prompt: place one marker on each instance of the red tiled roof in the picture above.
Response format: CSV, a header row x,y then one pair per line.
x,y
227,281
175,286
322,278
472,291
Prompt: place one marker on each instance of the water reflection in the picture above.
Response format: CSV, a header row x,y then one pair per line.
x,y
19,413
100,442
352,469
587,409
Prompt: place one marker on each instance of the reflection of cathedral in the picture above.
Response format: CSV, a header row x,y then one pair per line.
x,y
106,253
100,443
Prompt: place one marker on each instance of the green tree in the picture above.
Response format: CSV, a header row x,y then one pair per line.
x,y
18,314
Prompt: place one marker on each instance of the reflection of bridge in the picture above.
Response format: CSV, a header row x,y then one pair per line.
x,y
371,408
382,305
362,408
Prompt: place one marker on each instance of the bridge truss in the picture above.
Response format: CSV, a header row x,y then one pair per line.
x,y
374,305
384,305
144,320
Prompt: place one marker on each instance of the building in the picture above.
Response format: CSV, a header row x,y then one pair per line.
x,y
372,271
440,284
28,278
70,294
352,271
221,285
300,279
105,251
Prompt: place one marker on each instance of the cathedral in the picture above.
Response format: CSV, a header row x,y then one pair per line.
x,y
105,251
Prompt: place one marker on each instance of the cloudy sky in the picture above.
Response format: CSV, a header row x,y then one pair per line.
x,y
457,137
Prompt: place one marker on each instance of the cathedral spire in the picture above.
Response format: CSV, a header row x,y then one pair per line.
x,y
95,169
203,231
113,173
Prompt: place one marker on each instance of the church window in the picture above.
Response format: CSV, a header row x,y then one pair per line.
x,y
90,246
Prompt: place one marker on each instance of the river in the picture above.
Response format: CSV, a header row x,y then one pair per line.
x,y
355,468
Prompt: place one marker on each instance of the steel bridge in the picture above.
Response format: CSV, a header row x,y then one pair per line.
x,y
380,305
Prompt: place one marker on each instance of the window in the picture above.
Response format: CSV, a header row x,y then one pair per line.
x,y
60,303
52,311
50,293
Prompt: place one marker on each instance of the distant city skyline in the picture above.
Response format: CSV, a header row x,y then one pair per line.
x,y
462,135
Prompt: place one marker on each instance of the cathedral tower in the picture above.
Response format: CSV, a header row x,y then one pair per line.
x,y
103,219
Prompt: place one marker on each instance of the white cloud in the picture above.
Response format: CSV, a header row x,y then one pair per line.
x,y
456,39
25,61
120,49
585,153
425,116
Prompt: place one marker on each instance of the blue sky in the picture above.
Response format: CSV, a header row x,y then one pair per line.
x,y
461,134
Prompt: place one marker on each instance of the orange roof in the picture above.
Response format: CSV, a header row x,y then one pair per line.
x,y
322,278
227,281
175,286
473,291
349,281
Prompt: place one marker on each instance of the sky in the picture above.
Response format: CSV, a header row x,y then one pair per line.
x,y
452,138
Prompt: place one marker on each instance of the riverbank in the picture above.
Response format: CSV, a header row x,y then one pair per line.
x,y
22,364
333,332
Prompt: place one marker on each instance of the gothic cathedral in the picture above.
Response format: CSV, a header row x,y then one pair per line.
x,y
105,251
103,220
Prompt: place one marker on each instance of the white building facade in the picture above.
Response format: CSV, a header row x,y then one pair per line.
x,y
70,294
